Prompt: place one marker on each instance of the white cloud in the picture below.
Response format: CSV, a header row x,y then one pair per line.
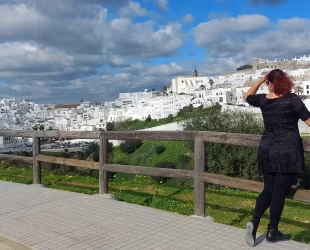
x,y
171,69
218,29
231,46
162,4
54,47
133,9
188,18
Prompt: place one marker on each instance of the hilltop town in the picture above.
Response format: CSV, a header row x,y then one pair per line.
x,y
226,89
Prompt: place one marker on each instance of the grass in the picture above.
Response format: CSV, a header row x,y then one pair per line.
x,y
147,156
227,206
136,125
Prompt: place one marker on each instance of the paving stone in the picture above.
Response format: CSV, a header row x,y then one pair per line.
x,y
47,219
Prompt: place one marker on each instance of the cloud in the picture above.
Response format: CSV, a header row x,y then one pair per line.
x,y
267,2
225,36
188,18
62,50
133,9
162,4
171,69
237,46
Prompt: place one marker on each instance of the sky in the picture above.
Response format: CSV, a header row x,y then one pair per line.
x,y
61,50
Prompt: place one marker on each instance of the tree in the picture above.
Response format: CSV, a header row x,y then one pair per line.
x,y
246,66
299,89
165,89
148,118
211,82
35,127
41,127
153,90
110,126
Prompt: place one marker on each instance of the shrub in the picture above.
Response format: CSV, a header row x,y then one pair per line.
x,y
184,161
130,146
92,151
160,149
110,126
163,164
148,118
235,161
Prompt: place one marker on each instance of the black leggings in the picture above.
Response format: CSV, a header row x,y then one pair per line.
x,y
276,186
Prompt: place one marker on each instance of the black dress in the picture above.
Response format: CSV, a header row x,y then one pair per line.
x,y
281,148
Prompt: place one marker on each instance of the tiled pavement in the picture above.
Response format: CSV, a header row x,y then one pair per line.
x,y
6,244
43,218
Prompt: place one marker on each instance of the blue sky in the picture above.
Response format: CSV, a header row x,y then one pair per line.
x,y
59,51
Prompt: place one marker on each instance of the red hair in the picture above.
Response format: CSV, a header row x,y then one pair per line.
x,y
282,83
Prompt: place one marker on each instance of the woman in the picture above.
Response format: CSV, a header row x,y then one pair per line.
x,y
280,153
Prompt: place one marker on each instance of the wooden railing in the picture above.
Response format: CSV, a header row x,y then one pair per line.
x,y
198,175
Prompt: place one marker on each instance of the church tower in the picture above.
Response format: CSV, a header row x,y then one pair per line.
x,y
195,72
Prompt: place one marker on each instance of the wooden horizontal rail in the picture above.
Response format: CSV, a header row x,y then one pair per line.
x,y
230,138
52,134
238,139
68,161
150,171
254,186
16,158
151,135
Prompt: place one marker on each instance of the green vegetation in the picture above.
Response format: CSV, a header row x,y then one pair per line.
x,y
146,155
246,66
227,206
130,146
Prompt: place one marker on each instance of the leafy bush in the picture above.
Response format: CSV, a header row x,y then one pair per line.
x,y
184,162
148,118
163,164
160,149
92,151
235,161
130,146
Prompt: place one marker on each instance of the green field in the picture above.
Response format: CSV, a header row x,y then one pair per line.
x,y
147,156
227,206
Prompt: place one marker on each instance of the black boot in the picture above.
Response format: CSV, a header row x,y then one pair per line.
x,y
274,234
250,232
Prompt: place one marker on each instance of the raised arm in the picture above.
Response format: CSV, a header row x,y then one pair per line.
x,y
254,88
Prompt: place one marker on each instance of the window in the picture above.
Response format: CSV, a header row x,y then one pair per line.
x,y
308,92
257,67
307,86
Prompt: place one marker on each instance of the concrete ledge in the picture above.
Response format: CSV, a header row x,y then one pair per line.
x,y
107,196
207,218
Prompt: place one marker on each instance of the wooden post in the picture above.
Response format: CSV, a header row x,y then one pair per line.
x,y
103,159
199,185
36,164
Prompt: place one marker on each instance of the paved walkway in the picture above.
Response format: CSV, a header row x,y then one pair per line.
x,y
6,244
43,218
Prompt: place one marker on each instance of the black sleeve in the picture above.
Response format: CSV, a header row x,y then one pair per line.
x,y
254,100
299,108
